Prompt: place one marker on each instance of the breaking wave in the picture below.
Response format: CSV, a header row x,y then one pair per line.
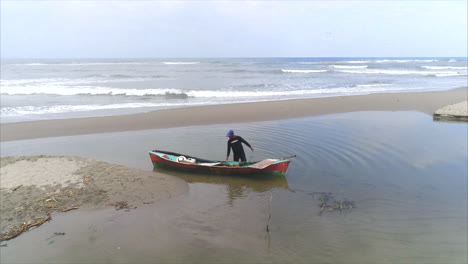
x,y
183,94
205,97
89,79
402,61
81,63
348,66
387,61
56,109
406,72
356,70
356,61
87,90
445,67
180,62
303,71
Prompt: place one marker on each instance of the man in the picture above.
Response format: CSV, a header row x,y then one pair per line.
x,y
235,142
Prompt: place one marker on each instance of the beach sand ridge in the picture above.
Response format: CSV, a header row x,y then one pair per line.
x,y
32,187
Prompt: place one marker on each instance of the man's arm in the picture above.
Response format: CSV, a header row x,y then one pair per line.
x,y
246,143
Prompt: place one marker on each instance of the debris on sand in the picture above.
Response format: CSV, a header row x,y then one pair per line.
x,y
16,231
34,187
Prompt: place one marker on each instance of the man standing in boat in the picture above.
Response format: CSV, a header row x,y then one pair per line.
x,y
235,142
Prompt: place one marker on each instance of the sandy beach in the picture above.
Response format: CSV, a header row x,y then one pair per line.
x,y
32,187
427,102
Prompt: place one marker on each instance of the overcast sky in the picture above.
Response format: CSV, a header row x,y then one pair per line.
x,y
136,29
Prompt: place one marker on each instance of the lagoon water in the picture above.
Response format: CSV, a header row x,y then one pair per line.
x,y
406,174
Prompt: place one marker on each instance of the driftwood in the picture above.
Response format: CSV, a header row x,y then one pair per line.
x,y
16,188
56,234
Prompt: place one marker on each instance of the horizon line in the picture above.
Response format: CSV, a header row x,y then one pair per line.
x,y
260,57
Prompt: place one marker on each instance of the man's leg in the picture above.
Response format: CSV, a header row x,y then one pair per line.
x,y
242,157
236,157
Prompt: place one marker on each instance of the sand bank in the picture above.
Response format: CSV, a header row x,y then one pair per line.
x,y
32,187
427,102
453,112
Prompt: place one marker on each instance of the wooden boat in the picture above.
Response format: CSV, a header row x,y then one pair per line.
x,y
182,162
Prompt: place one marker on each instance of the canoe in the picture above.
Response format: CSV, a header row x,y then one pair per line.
x,y
176,161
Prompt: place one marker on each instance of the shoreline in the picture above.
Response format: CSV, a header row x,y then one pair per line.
x,y
426,102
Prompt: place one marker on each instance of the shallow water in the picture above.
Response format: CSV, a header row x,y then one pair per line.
x,y
406,174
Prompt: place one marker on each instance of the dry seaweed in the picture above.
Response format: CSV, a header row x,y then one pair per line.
x,y
69,209
16,231
122,205
329,203
57,202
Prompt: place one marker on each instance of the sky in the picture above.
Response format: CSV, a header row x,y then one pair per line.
x,y
181,29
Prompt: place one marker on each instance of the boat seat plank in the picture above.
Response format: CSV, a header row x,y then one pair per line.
x,y
263,164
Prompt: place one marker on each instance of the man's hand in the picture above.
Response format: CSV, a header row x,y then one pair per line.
x,y
227,158
251,148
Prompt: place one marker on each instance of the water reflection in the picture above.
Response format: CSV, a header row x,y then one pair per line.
x,y
236,185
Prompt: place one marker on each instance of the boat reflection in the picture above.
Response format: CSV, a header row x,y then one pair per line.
x,y
236,185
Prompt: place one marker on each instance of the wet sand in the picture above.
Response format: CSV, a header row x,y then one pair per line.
x,y
32,187
427,102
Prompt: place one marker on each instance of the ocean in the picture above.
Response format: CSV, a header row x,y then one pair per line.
x,y
38,89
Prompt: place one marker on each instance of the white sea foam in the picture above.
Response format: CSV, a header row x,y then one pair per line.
x,y
70,82
220,96
292,93
302,71
358,89
246,94
445,67
82,90
33,64
402,61
405,72
348,66
450,74
81,63
56,109
198,93
374,85
180,62
356,61
93,90
387,61
16,82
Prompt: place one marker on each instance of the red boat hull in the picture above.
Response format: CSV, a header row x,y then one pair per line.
x,y
279,168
